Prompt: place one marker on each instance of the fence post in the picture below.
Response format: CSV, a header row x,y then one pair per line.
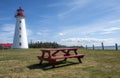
x,y
102,46
86,47
93,47
116,46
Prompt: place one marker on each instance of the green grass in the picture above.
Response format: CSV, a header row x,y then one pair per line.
x,y
24,64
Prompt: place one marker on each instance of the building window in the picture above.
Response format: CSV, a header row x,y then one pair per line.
x,y
19,28
19,36
20,21
20,44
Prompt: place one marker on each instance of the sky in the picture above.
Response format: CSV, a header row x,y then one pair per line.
x,y
67,22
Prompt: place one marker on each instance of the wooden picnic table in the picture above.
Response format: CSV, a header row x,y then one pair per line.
x,y
52,54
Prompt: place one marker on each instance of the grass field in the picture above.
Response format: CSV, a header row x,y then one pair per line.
x,y
24,64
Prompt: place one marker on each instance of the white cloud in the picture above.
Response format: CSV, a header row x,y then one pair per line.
x,y
92,34
89,41
43,32
74,5
6,33
110,30
115,21
61,34
97,6
29,32
86,40
98,28
39,33
8,28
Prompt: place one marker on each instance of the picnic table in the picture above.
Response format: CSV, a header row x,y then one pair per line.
x,y
52,54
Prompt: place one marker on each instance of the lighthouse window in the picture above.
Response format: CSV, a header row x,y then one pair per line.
x,y
20,44
20,21
20,36
19,28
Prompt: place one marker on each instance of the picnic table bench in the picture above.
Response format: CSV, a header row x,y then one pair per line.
x,y
52,55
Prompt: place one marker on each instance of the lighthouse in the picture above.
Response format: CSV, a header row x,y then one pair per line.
x,y
20,35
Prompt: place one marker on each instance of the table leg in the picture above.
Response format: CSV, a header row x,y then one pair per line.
x,y
66,54
41,61
79,59
75,51
52,63
43,53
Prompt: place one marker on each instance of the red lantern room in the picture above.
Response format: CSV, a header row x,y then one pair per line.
x,y
20,12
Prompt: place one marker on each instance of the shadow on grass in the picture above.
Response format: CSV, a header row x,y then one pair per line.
x,y
48,66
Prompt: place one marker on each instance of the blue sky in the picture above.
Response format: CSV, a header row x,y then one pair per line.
x,y
68,22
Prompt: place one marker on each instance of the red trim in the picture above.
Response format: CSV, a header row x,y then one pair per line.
x,y
20,12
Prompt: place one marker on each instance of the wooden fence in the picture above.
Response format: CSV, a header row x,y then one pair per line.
x,y
103,47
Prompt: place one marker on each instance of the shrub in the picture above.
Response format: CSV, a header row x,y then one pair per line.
x,y
1,47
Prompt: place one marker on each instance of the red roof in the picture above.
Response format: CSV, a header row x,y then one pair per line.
x,y
6,45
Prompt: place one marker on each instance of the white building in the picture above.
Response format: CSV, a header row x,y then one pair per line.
x,y
20,35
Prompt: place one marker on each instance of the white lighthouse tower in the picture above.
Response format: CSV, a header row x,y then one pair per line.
x,y
20,35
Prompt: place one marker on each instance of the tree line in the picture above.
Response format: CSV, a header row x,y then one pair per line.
x,y
45,45
50,45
